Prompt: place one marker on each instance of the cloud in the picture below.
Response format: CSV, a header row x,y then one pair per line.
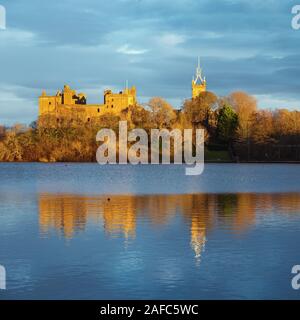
x,y
171,39
17,105
126,49
17,37
273,101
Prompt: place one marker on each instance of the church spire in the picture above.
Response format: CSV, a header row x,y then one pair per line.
x,y
199,73
199,82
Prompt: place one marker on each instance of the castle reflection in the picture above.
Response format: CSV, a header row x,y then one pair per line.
x,y
119,215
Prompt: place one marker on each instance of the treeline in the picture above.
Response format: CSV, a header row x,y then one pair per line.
x,y
232,123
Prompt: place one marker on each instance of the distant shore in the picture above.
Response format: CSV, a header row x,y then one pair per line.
x,y
209,162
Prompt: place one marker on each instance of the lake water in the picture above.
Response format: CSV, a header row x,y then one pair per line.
x,y
84,231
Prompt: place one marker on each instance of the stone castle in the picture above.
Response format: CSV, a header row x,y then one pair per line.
x,y
67,103
70,104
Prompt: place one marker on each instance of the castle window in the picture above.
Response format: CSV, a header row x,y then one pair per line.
x,y
98,110
88,119
49,103
112,105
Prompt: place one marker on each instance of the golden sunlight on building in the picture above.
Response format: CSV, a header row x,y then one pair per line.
x,y
68,104
72,106
198,82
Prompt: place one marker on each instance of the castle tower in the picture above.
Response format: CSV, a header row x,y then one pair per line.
x,y
198,83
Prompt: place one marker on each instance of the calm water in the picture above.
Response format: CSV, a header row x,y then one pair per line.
x,y
82,231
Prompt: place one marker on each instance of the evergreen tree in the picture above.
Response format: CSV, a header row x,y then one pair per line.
x,y
227,123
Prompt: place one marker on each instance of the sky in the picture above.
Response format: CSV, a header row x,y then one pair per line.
x,y
154,44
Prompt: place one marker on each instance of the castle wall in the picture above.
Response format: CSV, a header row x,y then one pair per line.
x,y
48,104
72,106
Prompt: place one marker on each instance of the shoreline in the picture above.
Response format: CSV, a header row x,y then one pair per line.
x,y
209,161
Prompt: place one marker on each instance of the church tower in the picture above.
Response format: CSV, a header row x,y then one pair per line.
x,y
198,83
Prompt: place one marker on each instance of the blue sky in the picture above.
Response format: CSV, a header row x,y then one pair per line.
x,y
95,44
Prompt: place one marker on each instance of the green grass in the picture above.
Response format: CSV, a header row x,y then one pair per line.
x,y
217,155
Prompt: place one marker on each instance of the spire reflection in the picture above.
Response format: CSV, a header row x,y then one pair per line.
x,y
119,216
